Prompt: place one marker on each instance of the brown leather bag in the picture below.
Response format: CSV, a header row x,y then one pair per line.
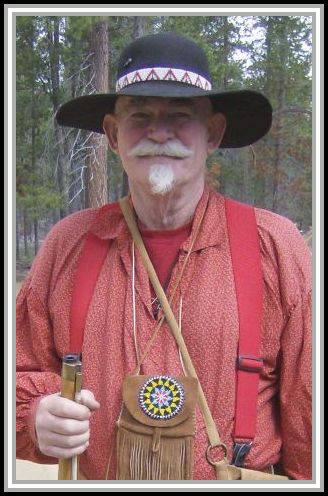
x,y
155,443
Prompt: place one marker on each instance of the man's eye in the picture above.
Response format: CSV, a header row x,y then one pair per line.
x,y
139,115
181,115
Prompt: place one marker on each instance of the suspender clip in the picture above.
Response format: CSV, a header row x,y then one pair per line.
x,y
250,363
240,450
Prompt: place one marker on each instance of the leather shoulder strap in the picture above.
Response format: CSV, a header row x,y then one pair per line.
x,y
247,269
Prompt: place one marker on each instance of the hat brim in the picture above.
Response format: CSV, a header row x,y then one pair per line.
x,y
248,113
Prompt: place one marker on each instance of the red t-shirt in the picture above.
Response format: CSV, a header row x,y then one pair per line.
x,y
163,250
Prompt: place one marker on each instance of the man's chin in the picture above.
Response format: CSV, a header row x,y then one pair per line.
x,y
161,179
161,191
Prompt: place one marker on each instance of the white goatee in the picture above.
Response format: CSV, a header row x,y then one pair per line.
x,y
161,179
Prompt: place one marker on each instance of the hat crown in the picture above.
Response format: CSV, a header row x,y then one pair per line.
x,y
163,50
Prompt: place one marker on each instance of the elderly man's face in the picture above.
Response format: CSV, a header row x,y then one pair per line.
x,y
168,137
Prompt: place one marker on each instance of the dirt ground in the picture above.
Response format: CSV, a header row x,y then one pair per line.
x,y
34,471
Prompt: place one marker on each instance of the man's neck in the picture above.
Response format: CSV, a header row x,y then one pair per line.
x,y
171,211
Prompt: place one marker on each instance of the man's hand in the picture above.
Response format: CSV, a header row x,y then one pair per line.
x,y
62,425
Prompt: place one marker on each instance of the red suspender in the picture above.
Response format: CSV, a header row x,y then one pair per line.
x,y
90,262
247,269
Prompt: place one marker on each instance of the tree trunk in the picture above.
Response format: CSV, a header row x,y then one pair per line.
x,y
226,49
96,171
125,184
36,235
53,43
17,236
277,149
139,24
60,167
262,171
25,231
281,97
34,166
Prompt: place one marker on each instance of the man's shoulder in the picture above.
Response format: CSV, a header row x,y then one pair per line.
x,y
266,220
284,246
277,232
80,222
67,235
276,225
74,220
62,246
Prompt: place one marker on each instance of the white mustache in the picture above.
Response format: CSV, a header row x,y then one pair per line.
x,y
172,148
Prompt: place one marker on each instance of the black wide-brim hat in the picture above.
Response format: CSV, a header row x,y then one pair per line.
x,y
172,66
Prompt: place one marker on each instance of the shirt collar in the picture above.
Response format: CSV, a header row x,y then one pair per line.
x,y
212,230
110,224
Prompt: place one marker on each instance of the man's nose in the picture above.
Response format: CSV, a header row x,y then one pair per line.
x,y
160,129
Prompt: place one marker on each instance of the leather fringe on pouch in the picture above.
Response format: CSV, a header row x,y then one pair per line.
x,y
142,458
150,448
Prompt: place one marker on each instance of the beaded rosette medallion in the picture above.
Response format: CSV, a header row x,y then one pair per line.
x,y
161,397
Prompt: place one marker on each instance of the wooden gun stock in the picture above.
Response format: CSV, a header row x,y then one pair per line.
x,y
71,379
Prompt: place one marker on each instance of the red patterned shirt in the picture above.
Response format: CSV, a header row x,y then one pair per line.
x,y
209,327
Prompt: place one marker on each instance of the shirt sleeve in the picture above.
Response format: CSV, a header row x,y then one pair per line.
x,y
37,370
296,391
288,272
38,337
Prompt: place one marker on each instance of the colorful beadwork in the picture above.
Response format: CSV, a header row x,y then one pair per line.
x,y
161,397
163,74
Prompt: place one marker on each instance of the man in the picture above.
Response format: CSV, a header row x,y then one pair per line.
x,y
163,121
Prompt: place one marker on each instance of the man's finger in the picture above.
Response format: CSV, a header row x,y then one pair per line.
x,y
63,407
88,399
66,441
65,426
58,452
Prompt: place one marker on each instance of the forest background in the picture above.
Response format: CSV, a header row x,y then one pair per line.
x,y
61,170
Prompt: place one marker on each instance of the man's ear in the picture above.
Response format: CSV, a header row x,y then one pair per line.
x,y
110,128
216,129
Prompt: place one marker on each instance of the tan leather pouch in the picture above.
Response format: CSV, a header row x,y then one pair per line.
x,y
151,448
